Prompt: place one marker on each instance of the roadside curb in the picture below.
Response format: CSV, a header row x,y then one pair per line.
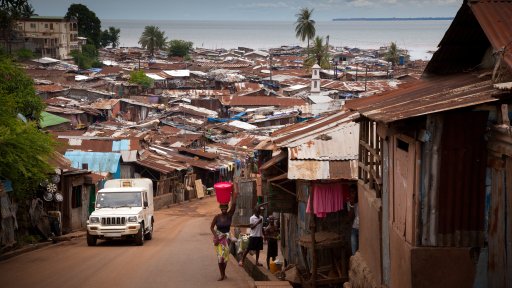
x,y
24,249
258,273
32,247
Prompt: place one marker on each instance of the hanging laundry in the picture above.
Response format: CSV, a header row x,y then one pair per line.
x,y
328,198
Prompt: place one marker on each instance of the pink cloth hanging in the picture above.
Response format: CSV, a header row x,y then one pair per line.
x,y
328,198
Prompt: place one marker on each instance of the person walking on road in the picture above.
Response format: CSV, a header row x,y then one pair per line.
x,y
255,236
220,227
271,232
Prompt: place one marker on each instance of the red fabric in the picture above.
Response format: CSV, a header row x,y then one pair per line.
x,y
328,198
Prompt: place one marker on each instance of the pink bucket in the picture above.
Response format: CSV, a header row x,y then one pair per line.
x,y
223,192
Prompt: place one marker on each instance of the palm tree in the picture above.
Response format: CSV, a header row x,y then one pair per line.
x,y
318,54
27,10
152,39
305,26
113,34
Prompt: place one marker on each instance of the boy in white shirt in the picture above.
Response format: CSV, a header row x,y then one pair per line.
x,y
256,235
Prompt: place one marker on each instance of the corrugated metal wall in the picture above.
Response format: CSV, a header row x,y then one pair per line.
x,y
462,179
245,202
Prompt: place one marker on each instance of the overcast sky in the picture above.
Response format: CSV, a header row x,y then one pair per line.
x,y
252,10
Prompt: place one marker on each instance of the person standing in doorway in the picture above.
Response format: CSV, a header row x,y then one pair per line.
x,y
354,213
255,236
271,232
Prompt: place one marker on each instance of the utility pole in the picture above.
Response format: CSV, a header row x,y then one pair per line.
x,y
270,63
365,76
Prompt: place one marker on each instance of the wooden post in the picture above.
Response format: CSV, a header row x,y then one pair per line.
x,y
313,241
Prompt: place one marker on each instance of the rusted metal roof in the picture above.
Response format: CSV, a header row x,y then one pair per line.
x,y
160,163
104,104
317,170
426,96
273,161
318,126
60,110
477,26
340,142
50,88
200,153
495,18
261,101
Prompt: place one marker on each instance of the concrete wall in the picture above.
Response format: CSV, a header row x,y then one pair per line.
x,y
162,201
370,217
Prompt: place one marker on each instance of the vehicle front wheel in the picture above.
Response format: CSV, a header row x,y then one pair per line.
x,y
139,237
149,234
91,240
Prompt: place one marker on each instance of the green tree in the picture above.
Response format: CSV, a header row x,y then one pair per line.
x,y
139,77
318,54
114,36
179,48
24,148
392,55
27,10
89,25
110,36
152,39
24,54
86,58
305,26
10,11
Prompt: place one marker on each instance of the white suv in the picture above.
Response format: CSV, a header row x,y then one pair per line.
x,y
124,209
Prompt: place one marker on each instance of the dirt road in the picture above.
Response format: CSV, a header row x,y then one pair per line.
x,y
180,255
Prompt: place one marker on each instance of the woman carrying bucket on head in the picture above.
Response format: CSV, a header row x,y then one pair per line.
x,y
221,224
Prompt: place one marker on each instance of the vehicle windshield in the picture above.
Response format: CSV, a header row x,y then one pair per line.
x,y
118,199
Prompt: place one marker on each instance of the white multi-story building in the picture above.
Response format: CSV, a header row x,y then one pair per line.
x,y
53,37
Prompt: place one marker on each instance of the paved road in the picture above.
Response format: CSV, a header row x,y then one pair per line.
x,y
180,255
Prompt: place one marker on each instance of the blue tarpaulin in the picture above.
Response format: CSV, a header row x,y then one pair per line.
x,y
122,145
224,120
96,161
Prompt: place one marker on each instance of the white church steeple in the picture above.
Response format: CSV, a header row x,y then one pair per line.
x,y
315,79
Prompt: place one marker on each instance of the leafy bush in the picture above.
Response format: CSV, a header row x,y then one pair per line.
x,y
138,77
24,54
179,48
86,59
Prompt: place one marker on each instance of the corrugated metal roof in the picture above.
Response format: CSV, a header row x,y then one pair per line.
x,y
200,153
70,111
261,101
495,18
338,143
160,163
104,104
315,127
50,88
318,170
177,73
426,96
48,119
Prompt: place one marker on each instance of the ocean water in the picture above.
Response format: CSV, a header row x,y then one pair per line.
x,y
419,37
